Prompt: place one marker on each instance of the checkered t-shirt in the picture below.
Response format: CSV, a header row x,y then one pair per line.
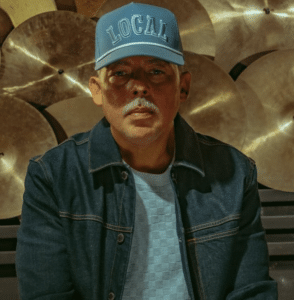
x,y
155,268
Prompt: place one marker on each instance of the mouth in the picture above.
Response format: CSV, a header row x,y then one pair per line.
x,y
143,110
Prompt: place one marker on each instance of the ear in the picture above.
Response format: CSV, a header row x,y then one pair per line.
x,y
185,83
94,85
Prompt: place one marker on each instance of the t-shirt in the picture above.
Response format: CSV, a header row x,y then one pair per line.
x,y
155,268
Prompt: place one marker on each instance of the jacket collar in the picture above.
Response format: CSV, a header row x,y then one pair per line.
x,y
104,151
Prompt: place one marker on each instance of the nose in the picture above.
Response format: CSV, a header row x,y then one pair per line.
x,y
138,93
139,85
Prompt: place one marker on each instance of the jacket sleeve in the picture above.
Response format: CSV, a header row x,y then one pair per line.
x,y
41,258
251,260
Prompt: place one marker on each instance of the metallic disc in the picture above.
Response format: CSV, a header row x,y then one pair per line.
x,y
270,137
256,118
49,58
25,133
214,106
22,10
195,27
66,5
76,115
88,8
6,25
244,28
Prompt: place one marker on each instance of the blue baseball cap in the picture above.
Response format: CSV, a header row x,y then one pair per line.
x,y
137,29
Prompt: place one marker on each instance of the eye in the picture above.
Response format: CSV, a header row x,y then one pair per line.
x,y
157,72
119,73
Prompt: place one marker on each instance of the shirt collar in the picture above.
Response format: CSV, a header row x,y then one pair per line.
x,y
104,151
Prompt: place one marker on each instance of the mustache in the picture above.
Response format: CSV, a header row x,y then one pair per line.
x,y
140,102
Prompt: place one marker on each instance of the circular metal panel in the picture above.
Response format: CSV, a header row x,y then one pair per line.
x,y
270,137
49,58
21,10
243,28
214,106
25,133
76,115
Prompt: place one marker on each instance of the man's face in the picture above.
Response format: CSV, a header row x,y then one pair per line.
x,y
140,97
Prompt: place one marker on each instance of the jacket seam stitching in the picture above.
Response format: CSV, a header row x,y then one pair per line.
x,y
80,142
112,269
250,176
228,145
214,236
93,218
67,140
219,236
213,224
43,167
120,213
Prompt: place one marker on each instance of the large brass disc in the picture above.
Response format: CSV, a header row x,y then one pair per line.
x,y
256,118
25,133
195,27
69,5
49,58
76,115
88,8
6,25
270,138
214,106
22,10
244,28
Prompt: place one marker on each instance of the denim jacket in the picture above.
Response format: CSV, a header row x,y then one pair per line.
x,y
78,217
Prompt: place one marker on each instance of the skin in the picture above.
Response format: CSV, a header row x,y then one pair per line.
x,y
146,139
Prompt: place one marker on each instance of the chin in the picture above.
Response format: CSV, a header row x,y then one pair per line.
x,y
142,138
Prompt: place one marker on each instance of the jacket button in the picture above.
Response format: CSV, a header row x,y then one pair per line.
x,y
120,238
173,177
111,296
124,175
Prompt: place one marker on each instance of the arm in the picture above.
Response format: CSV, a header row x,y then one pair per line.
x,y
41,259
251,263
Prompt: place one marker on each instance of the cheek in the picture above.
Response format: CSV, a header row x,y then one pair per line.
x,y
112,105
112,98
169,97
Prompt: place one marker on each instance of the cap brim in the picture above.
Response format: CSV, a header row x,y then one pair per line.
x,y
138,50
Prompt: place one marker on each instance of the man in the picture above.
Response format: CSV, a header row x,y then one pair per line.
x,y
141,206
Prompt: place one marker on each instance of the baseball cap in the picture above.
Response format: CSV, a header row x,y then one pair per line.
x,y
137,29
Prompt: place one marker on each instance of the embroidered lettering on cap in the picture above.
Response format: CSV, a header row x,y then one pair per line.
x,y
137,30
161,33
114,38
150,30
125,26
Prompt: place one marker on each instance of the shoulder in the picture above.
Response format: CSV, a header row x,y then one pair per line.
x,y
75,144
225,162
206,146
215,146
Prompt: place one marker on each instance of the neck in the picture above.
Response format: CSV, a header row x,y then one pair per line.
x,y
153,158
